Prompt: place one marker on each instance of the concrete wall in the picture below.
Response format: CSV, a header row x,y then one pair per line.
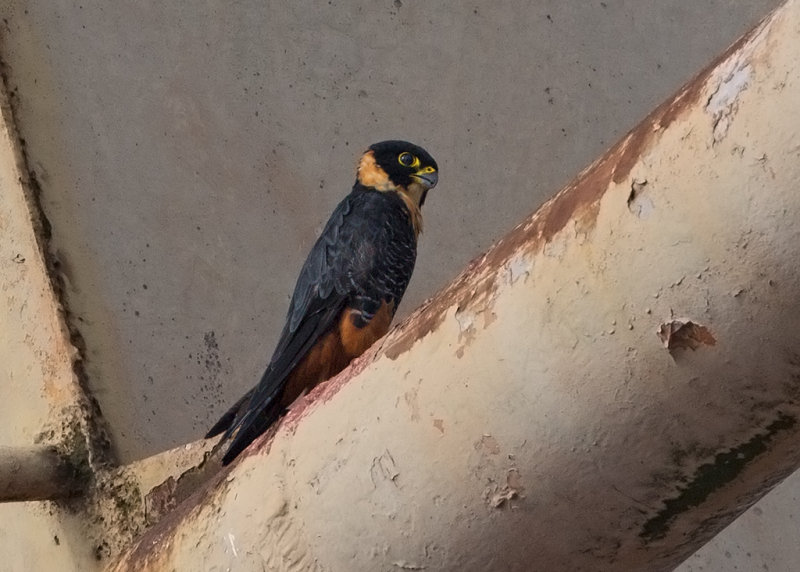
x,y
187,155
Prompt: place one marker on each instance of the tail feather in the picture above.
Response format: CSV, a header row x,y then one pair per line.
x,y
244,422
228,420
250,426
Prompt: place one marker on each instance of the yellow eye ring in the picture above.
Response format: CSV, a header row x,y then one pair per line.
x,y
406,159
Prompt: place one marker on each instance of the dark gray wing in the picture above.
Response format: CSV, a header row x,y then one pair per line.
x,y
364,255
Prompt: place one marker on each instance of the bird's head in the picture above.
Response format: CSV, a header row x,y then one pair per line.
x,y
401,167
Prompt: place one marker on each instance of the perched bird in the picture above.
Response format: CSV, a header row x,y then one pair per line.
x,y
348,289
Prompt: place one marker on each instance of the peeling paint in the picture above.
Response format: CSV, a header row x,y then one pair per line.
x,y
684,334
640,204
488,444
729,80
466,323
578,200
518,267
723,102
405,565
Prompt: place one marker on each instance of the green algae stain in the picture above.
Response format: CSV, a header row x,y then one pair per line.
x,y
712,476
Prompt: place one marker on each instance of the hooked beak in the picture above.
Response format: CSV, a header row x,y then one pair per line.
x,y
426,177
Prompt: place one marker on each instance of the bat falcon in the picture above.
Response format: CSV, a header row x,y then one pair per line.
x,y
348,289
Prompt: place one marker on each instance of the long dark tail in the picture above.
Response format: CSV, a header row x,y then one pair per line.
x,y
231,415
254,422
245,421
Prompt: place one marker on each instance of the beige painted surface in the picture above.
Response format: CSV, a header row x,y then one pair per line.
x,y
529,417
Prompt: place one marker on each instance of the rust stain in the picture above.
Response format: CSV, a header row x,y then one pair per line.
x,y
578,200
637,141
160,501
420,323
152,549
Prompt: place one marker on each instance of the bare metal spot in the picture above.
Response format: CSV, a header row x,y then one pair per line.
x,y
685,334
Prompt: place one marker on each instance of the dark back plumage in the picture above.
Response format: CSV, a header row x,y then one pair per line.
x,y
362,262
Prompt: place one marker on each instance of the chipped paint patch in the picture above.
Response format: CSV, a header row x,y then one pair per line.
x,y
466,329
518,267
405,565
729,80
724,102
639,203
499,496
488,444
684,334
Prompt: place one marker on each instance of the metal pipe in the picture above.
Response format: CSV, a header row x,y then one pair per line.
x,y
35,473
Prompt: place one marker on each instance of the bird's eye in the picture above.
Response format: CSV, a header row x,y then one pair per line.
x,y
406,159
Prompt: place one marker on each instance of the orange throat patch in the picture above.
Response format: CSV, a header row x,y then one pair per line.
x,y
412,195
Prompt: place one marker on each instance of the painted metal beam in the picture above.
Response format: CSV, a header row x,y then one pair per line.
x,y
612,383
